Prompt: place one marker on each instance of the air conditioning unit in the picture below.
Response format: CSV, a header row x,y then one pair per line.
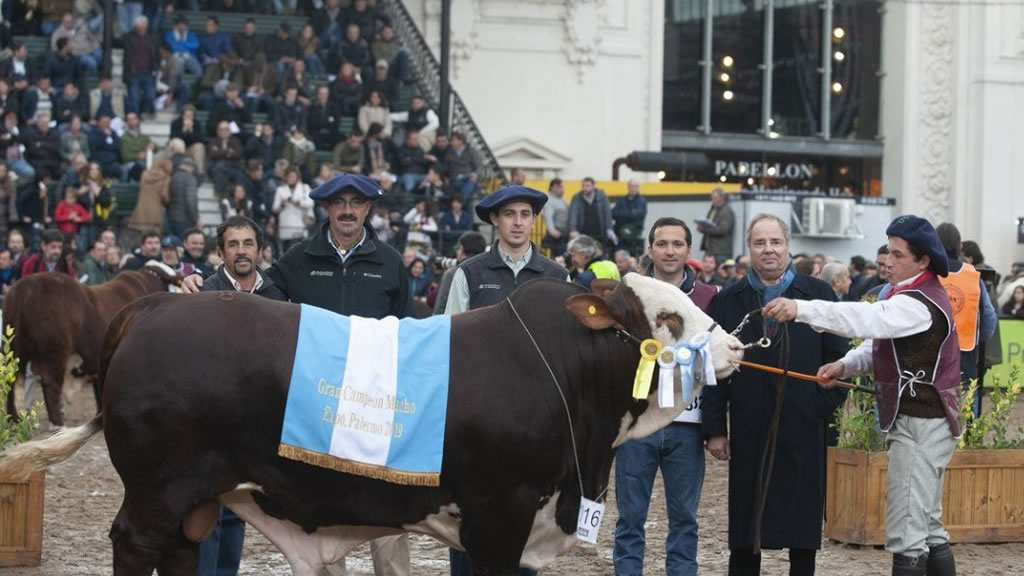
x,y
829,216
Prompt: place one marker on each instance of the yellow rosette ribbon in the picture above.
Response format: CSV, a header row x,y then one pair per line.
x,y
649,350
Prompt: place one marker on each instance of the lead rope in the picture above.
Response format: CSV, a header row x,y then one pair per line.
x,y
764,472
565,403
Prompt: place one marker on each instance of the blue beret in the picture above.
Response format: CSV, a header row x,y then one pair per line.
x,y
920,234
510,193
357,182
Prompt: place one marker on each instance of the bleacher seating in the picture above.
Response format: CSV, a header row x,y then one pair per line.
x,y
232,22
127,195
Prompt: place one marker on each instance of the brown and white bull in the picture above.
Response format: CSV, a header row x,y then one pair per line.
x,y
59,326
194,396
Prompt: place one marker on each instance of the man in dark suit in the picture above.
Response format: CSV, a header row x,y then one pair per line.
x,y
795,489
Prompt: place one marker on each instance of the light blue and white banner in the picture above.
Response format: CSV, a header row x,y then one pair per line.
x,y
369,396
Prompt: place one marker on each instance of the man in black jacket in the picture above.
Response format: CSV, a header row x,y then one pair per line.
x,y
344,268
239,241
43,147
323,120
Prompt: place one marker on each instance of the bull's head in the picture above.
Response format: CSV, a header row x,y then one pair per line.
x,y
667,314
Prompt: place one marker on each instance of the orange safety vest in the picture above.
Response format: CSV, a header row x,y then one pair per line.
x,y
964,298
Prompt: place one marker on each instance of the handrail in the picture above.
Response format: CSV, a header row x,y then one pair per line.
x,y
428,82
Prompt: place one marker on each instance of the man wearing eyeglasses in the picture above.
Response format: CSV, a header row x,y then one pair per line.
x,y
344,268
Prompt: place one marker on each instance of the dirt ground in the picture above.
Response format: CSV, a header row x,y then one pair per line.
x,y
83,495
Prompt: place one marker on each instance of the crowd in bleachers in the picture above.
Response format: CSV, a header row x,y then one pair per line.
x,y
270,97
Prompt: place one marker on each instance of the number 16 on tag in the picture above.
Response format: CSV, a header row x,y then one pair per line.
x,y
589,521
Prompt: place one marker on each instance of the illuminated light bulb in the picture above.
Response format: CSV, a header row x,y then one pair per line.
x,y
661,175
727,95
724,77
839,56
722,178
838,33
837,87
727,61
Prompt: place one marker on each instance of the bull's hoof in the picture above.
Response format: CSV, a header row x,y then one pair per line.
x,y
56,427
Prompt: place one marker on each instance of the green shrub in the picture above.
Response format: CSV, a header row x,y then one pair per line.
x,y
11,431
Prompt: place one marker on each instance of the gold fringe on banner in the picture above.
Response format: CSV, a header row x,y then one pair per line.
x,y
358,468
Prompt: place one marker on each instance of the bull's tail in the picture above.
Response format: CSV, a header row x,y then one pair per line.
x,y
21,460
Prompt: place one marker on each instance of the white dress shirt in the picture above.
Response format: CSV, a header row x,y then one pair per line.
x,y
897,317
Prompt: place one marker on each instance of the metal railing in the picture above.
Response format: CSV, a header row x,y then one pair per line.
x,y
427,71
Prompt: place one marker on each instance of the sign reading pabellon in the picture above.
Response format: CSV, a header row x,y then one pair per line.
x,y
787,171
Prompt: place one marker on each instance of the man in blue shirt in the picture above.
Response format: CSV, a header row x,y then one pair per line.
x,y
184,45
213,43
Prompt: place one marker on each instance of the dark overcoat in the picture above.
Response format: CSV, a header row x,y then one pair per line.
x,y
795,506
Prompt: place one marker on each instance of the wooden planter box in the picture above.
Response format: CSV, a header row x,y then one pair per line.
x,y
982,496
21,521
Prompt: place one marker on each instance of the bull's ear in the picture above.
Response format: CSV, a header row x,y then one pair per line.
x,y
603,286
591,311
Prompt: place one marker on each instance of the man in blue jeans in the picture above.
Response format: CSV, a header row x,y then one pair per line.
x,y
141,63
677,449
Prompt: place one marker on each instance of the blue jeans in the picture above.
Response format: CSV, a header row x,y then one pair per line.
x,y
23,169
464,187
459,561
280,5
141,92
678,450
127,12
410,181
314,65
188,63
330,37
220,554
91,61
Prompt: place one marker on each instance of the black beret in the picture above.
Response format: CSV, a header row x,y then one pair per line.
x,y
510,193
357,182
920,234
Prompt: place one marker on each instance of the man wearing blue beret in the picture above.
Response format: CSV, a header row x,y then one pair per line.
x,y
489,278
911,347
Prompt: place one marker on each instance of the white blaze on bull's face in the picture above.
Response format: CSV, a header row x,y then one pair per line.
x,y
660,298
663,299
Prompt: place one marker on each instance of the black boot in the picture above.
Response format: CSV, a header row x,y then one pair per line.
x,y
909,565
940,561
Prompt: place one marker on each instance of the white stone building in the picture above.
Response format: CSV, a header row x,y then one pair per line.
x,y
923,102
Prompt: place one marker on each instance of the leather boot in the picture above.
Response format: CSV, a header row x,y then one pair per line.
x,y
909,565
940,561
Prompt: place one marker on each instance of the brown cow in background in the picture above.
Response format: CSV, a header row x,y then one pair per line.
x,y
55,319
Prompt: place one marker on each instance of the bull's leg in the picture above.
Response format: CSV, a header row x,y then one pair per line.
x,y
181,558
51,379
494,531
133,556
147,535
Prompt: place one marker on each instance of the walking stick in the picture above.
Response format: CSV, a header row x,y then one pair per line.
x,y
808,377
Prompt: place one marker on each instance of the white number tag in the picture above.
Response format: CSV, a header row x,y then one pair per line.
x,y
589,522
